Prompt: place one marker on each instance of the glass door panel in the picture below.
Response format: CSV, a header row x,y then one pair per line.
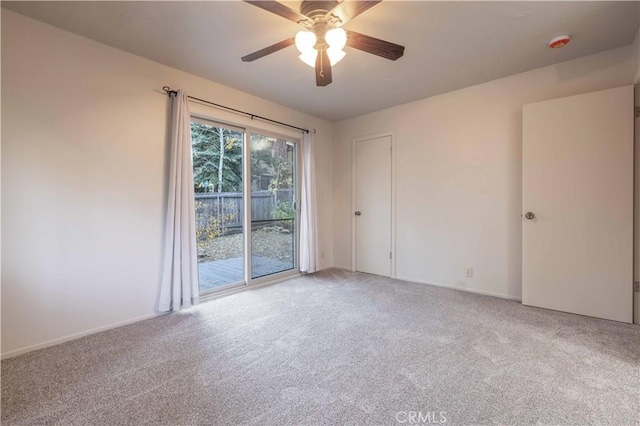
x,y
273,208
219,204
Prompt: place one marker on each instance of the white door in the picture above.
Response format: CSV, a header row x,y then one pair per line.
x,y
636,294
578,182
373,206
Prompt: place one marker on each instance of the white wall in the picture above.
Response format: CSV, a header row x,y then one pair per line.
x,y
459,173
83,180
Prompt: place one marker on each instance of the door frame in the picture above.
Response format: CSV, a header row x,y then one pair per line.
x,y
392,134
248,281
232,286
636,203
251,282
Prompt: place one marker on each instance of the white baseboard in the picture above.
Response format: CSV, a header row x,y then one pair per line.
x,y
24,350
343,268
470,290
435,284
203,299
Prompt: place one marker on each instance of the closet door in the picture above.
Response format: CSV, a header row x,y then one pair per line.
x,y
578,204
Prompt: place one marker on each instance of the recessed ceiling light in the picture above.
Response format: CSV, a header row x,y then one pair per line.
x,y
560,41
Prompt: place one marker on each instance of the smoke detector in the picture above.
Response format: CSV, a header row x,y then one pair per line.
x,y
560,41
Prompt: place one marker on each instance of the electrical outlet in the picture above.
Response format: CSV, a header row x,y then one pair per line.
x,y
469,272
322,254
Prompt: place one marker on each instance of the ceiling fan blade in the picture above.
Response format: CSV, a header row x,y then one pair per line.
x,y
268,50
323,69
282,10
347,10
375,46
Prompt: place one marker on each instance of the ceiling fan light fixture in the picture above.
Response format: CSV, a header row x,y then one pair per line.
x,y
309,57
336,38
321,43
305,41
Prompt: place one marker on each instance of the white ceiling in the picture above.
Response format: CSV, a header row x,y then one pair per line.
x,y
449,45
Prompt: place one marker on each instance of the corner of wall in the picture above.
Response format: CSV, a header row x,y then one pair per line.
x,y
636,57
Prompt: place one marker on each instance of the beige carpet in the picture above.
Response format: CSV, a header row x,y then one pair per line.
x,y
337,348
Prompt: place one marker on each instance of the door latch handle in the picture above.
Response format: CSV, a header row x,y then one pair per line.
x,y
358,213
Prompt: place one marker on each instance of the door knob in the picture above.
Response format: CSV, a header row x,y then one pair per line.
x,y
358,213
529,215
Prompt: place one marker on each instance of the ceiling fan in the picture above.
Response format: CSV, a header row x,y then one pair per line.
x,y
321,43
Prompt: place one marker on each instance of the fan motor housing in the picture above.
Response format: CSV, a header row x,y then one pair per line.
x,y
316,9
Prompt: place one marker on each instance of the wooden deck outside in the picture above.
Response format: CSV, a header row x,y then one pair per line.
x,y
222,272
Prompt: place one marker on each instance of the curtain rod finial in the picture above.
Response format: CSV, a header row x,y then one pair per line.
x,y
168,90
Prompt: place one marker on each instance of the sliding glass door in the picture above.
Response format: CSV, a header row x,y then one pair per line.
x,y
218,175
228,163
273,205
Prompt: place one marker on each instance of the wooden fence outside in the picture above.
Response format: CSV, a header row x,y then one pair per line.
x,y
228,208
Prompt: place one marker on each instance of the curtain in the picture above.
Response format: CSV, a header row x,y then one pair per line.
x,y
308,236
179,288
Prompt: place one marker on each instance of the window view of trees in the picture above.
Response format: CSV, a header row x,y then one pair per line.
x,y
217,158
217,161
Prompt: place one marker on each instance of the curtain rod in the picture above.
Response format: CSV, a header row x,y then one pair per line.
x,y
170,92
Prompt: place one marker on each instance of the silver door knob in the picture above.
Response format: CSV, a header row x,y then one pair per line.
x,y
529,215
358,213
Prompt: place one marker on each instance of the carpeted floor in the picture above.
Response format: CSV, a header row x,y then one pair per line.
x,y
337,348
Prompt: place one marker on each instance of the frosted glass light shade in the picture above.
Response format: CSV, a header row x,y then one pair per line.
x,y
335,55
309,57
336,38
305,41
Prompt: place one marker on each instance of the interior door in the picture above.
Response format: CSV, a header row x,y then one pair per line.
x,y
373,206
578,204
